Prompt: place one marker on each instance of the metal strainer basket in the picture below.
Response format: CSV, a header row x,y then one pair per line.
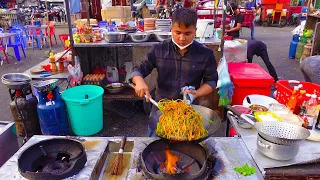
x,y
282,133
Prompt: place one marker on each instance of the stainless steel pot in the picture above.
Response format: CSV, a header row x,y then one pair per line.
x,y
115,37
162,36
276,151
139,37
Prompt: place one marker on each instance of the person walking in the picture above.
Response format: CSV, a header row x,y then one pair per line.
x,y
251,8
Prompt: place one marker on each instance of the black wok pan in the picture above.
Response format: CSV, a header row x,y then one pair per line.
x,y
206,113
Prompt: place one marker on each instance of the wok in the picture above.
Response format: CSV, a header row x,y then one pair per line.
x,y
206,113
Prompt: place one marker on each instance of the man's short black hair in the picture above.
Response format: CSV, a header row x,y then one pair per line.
x,y
234,6
185,16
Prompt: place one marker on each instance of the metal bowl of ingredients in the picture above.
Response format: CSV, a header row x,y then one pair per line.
x,y
115,88
244,124
258,108
162,36
46,86
115,37
139,37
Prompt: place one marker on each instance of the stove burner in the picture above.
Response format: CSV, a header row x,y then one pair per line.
x,y
192,162
52,159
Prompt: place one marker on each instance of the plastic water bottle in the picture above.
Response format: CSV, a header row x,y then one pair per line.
x,y
293,46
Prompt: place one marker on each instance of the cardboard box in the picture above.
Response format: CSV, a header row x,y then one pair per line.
x,y
116,12
81,22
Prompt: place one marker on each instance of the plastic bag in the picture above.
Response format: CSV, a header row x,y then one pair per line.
x,y
75,72
299,29
235,50
128,67
224,83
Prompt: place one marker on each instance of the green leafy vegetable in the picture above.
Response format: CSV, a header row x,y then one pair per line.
x,y
246,170
211,121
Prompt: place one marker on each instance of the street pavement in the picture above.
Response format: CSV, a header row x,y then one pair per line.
x,y
277,40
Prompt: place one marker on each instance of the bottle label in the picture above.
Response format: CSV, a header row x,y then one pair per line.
x,y
49,103
28,97
309,120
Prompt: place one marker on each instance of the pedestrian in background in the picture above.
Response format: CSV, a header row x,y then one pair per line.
x,y
236,20
259,48
251,7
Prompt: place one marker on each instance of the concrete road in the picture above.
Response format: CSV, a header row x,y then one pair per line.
x,y
277,40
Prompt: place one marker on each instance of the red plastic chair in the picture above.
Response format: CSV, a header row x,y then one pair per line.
x,y
63,38
3,49
52,31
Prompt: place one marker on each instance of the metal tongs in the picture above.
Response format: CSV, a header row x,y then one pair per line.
x,y
150,99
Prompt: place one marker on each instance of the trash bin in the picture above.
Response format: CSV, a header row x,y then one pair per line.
x,y
84,105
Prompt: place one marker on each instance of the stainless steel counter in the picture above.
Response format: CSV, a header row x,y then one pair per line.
x,y
308,151
229,152
103,43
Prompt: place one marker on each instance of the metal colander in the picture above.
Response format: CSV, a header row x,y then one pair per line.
x,y
282,133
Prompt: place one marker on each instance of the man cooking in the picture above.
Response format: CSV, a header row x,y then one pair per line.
x,y
233,29
181,62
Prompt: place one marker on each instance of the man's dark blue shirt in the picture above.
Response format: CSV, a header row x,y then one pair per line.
x,y
176,71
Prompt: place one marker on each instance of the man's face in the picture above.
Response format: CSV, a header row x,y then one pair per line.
x,y
183,35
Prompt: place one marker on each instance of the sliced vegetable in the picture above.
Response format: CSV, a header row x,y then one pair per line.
x,y
246,170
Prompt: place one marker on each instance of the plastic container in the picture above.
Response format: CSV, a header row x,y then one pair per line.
x,y
102,24
112,74
84,105
285,88
249,78
293,46
300,47
304,9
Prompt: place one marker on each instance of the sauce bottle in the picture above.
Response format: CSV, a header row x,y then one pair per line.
x,y
52,59
293,99
312,111
300,99
304,105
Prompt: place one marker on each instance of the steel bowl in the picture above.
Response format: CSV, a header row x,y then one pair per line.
x,y
277,151
244,124
162,36
115,37
16,77
139,37
46,86
115,88
16,81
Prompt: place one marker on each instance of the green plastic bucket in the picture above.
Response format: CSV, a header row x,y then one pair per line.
x,y
86,115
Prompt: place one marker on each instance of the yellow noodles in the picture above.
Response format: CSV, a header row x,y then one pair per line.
x,y
179,121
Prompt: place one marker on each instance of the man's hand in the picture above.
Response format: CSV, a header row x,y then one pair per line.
x,y
193,92
141,88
